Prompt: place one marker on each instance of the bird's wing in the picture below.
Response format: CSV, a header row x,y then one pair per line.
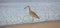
x,y
35,14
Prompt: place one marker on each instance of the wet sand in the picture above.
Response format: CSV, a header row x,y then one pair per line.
x,y
50,24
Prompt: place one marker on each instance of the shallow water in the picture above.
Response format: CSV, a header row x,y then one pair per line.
x,y
14,13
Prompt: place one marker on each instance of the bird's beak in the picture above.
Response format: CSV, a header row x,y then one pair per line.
x,y
25,8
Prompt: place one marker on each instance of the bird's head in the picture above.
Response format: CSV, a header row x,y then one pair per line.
x,y
27,7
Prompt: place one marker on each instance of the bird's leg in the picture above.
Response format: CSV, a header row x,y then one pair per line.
x,y
33,20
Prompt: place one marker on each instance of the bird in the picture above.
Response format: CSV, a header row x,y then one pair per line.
x,y
32,13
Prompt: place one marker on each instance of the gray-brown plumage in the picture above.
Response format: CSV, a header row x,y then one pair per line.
x,y
31,13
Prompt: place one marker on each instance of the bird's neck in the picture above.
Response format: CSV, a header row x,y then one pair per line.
x,y
29,9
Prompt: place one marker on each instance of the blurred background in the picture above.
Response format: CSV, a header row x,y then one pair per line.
x,y
13,12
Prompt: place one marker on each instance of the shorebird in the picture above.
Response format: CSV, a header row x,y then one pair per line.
x,y
32,13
